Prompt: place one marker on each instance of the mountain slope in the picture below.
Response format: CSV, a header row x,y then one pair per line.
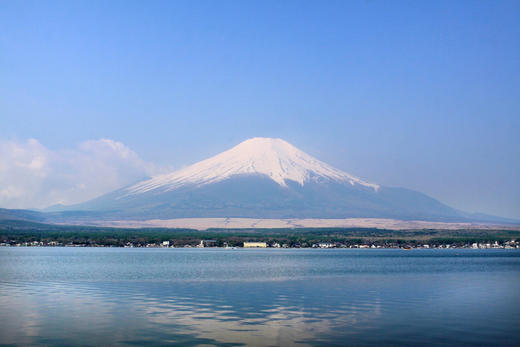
x,y
256,196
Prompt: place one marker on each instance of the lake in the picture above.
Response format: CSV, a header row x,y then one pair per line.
x,y
260,297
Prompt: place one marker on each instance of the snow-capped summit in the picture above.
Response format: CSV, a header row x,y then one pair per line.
x,y
274,158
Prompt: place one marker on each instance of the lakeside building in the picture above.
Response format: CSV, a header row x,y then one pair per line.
x,y
207,243
326,245
255,244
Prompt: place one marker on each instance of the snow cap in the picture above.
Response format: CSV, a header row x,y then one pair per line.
x,y
275,158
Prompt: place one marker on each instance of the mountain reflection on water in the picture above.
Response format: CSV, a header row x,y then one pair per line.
x,y
258,297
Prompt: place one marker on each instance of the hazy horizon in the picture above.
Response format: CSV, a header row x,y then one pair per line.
x,y
425,96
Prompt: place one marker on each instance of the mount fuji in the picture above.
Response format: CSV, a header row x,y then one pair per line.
x,y
264,178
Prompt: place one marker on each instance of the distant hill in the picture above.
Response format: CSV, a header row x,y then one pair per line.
x,y
22,215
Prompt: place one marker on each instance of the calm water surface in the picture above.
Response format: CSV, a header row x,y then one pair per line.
x,y
96,296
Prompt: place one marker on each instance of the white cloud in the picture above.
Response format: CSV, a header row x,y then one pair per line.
x,y
32,175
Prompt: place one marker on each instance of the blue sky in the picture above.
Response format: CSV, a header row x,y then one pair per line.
x,y
418,94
